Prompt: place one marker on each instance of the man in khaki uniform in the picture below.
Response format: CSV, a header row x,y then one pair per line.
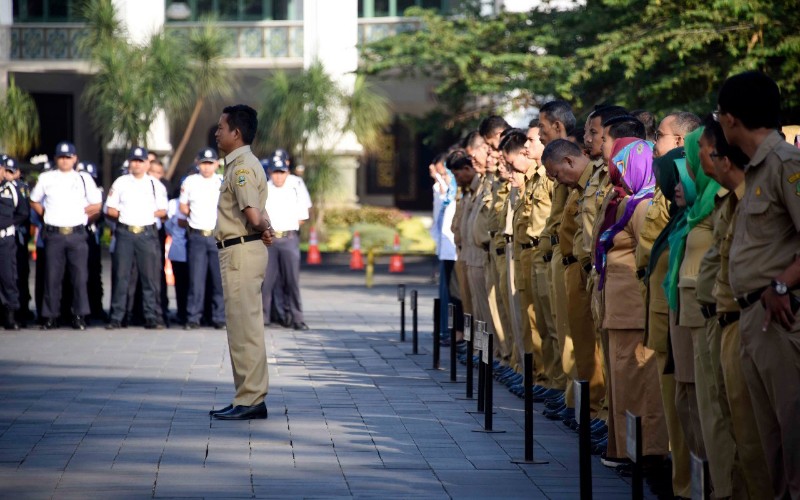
x,y
501,189
556,120
567,163
765,268
242,232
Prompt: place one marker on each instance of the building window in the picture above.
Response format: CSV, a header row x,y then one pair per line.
x,y
394,8
241,10
46,11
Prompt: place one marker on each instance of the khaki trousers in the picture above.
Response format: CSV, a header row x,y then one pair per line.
x,y
587,365
242,267
635,389
464,288
743,421
716,432
771,367
545,316
480,298
491,280
685,394
529,338
504,304
560,338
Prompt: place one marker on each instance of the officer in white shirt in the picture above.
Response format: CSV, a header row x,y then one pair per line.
x,y
198,201
66,199
135,201
287,207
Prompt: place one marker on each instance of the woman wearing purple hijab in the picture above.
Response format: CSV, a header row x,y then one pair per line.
x,y
634,378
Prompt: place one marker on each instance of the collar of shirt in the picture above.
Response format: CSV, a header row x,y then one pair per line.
x,y
767,145
722,193
739,191
229,159
586,176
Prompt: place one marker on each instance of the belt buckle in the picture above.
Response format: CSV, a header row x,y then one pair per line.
x,y
280,234
136,229
208,232
65,230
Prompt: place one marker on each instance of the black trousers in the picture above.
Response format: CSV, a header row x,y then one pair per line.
x,y
283,272
66,250
94,283
23,274
40,283
181,272
142,249
203,259
9,293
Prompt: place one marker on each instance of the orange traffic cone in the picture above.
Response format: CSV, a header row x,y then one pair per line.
x,y
356,259
168,263
396,261
313,258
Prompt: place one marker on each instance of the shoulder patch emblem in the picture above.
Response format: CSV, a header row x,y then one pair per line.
x,y
241,180
242,171
794,178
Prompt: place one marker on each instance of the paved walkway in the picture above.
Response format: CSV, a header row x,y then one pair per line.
x,y
123,414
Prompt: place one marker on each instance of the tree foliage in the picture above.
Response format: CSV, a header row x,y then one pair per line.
x,y
655,54
19,128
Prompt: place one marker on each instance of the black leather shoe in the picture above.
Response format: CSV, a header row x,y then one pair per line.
x,y
300,326
258,411
191,326
223,410
50,324
219,326
113,325
287,321
154,325
78,323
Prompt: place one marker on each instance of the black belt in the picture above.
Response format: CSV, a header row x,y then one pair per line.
x,y
548,257
63,229
728,318
640,273
708,310
751,298
568,259
531,244
554,240
135,229
235,241
500,251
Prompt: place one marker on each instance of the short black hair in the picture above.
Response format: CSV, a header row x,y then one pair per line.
x,y
243,118
753,98
491,123
470,140
559,149
714,133
607,112
559,111
533,123
576,135
458,159
439,158
625,126
648,119
685,121
513,141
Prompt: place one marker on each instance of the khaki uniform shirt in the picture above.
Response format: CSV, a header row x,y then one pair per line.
x,y
472,256
559,201
709,265
541,208
497,218
244,184
571,230
722,287
767,238
522,214
587,213
656,219
598,189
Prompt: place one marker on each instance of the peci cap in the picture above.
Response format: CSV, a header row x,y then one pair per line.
x,y
138,153
65,149
207,155
89,168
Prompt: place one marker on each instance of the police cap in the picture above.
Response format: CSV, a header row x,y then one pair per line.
x,y
65,149
89,168
10,164
138,153
207,155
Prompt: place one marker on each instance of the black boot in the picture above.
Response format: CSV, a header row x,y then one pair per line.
x,y
11,321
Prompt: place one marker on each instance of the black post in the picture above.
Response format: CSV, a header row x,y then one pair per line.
x,y
480,327
701,486
401,296
451,325
414,331
488,362
437,324
634,446
582,404
468,338
528,381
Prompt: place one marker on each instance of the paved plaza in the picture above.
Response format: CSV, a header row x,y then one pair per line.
x,y
124,414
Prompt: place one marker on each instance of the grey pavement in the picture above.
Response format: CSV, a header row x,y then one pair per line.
x,y
124,414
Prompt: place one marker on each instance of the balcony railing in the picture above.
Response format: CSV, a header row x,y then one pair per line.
x,y
46,41
375,28
258,40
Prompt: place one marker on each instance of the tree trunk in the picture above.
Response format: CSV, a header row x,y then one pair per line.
x,y
173,164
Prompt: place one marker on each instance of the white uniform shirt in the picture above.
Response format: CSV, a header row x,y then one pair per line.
x,y
201,194
289,204
64,196
137,199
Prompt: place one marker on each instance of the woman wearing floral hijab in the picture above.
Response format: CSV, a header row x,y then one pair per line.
x,y
632,367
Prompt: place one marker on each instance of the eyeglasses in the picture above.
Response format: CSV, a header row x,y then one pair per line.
x,y
659,135
716,114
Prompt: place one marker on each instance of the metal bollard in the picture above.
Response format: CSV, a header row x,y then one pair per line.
x,y
701,484
478,327
437,315
414,318
401,297
468,338
452,327
584,437
634,448
528,459
488,384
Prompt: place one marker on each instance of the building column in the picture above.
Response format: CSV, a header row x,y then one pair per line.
x,y
6,20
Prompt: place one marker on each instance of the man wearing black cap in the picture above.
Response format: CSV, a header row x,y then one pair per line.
x,y
287,207
135,201
66,199
23,236
13,210
198,201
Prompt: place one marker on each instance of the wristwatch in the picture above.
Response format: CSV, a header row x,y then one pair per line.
x,y
780,287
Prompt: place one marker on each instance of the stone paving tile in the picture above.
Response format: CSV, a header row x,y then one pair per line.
x,y
123,414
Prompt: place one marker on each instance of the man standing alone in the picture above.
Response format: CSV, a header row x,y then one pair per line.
x,y
241,222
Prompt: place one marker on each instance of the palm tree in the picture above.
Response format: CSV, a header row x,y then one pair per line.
x,y
19,128
206,46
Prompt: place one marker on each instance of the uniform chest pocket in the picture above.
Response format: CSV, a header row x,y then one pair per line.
x,y
571,210
757,223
